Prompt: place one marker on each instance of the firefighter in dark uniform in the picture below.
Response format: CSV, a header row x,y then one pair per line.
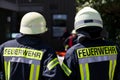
x,y
92,58
28,57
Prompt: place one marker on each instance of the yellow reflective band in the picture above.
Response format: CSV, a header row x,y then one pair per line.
x,y
110,69
84,71
81,72
31,72
37,72
52,63
34,72
8,70
66,69
87,71
5,66
23,52
112,65
96,51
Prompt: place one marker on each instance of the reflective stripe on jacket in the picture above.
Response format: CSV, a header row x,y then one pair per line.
x,y
94,60
27,58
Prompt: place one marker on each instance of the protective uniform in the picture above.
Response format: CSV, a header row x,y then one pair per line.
x,y
93,58
28,57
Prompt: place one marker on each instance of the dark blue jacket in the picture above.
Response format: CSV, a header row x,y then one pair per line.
x,y
29,58
93,60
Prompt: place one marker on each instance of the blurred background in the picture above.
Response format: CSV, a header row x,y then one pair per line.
x,y
59,15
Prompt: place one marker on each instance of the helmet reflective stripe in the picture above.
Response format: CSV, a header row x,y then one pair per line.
x,y
66,69
88,22
87,17
52,63
112,65
84,71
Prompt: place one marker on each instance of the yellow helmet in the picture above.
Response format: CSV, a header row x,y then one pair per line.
x,y
33,23
87,17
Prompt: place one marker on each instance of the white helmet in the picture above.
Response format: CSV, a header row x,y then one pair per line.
x,y
33,23
73,31
87,17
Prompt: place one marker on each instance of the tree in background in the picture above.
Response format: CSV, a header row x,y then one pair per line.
x,y
110,11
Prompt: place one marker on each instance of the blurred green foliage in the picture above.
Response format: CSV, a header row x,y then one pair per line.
x,y
110,12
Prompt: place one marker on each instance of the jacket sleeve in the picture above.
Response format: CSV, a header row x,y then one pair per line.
x,y
72,64
51,67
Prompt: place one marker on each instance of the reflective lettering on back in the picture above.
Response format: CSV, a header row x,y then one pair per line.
x,y
96,51
23,52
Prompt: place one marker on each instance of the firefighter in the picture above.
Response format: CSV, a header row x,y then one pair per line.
x,y
71,40
29,57
92,58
